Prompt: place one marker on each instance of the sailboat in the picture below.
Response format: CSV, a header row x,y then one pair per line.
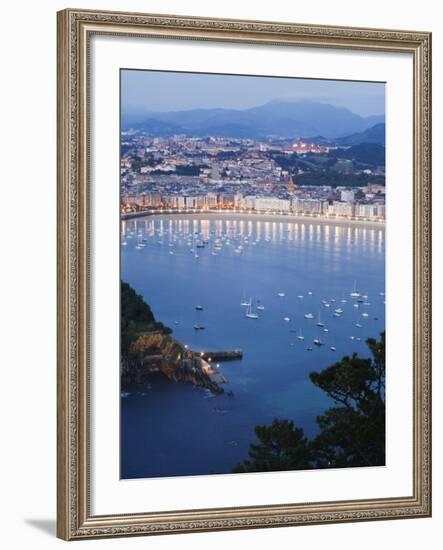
x,y
319,321
317,342
300,336
355,293
249,313
309,316
244,302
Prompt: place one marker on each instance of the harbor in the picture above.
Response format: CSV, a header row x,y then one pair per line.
x,y
293,277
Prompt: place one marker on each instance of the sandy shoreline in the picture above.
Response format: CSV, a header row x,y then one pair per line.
x,y
256,216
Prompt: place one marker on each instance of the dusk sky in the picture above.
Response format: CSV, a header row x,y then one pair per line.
x,y
144,91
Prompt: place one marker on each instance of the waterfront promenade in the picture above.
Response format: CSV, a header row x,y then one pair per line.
x,y
262,216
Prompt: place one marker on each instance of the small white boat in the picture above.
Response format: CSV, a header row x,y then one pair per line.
x,y
250,314
199,327
355,293
281,294
317,342
333,348
300,296
352,337
300,336
310,293
261,308
325,330
338,310
336,314
358,325
319,321
287,319
365,314
309,316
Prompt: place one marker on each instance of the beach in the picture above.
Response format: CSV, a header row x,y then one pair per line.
x,y
259,216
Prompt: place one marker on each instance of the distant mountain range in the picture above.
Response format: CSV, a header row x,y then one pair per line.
x,y
286,119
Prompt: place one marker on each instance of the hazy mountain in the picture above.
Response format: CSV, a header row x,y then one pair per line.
x,y
374,134
276,118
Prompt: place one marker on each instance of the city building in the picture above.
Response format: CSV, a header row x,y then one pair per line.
x,y
272,203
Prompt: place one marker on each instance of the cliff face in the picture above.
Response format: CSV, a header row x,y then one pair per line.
x,y
157,352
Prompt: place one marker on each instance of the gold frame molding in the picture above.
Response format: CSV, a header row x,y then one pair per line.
x,y
74,519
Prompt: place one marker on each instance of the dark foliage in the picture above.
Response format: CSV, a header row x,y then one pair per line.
x,y
281,446
351,434
371,154
335,179
136,317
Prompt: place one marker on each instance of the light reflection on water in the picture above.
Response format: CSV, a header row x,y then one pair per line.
x,y
175,429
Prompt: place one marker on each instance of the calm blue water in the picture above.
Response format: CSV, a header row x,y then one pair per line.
x,y
172,429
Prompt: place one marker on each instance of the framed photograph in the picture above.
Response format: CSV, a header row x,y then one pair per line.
x,y
243,274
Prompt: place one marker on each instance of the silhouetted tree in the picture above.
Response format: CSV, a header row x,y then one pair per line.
x,y
351,433
281,446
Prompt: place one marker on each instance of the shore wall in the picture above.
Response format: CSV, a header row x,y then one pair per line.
x,y
290,218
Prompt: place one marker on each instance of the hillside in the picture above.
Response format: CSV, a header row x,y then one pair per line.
x,y
374,134
136,318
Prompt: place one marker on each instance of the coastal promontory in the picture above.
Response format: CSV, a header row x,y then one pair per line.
x,y
148,348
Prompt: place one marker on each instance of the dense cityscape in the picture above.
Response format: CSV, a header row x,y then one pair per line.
x,y
252,274
273,176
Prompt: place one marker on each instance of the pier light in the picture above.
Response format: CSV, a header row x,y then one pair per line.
x,y
209,359
186,346
201,354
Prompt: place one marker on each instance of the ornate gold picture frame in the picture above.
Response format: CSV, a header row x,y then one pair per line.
x,y
75,30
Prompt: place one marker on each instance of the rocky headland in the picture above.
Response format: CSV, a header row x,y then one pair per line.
x,y
155,352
